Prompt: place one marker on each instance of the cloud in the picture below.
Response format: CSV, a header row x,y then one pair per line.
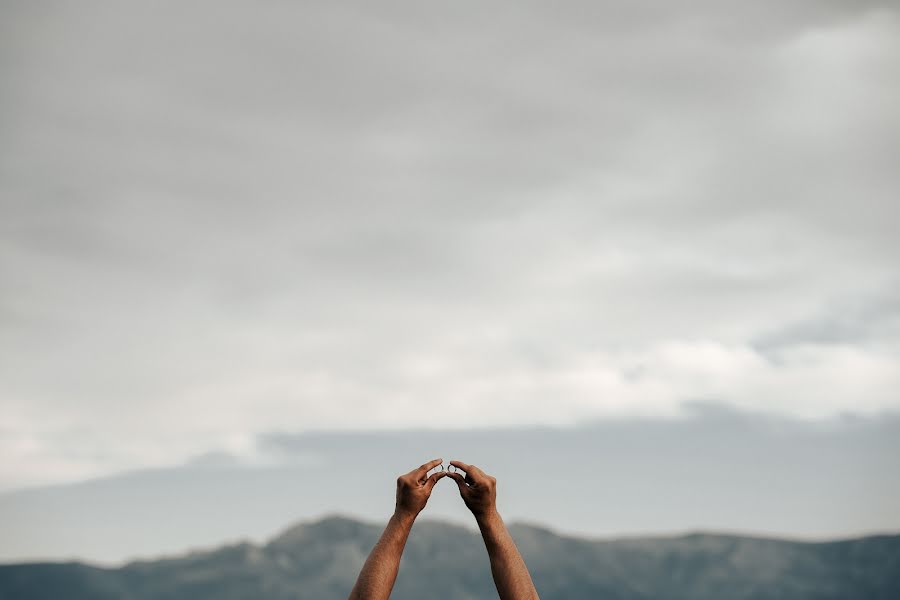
x,y
219,220
715,469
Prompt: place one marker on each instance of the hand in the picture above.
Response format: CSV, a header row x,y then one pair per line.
x,y
414,488
477,488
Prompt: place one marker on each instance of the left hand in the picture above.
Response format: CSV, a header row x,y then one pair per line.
x,y
414,488
477,488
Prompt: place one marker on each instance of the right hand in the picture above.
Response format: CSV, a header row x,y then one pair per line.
x,y
477,488
414,489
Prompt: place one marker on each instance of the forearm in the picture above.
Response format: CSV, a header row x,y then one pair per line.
x,y
507,566
376,580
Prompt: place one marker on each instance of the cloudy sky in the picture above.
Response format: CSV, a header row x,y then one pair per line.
x,y
220,220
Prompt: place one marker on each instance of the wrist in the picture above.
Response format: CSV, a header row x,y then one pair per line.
x,y
488,518
405,516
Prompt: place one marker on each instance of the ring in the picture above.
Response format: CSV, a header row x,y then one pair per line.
x,y
452,467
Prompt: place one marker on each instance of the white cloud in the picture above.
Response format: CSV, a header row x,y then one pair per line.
x,y
425,222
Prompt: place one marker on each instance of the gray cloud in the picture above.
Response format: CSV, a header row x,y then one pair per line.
x,y
713,470
855,320
219,218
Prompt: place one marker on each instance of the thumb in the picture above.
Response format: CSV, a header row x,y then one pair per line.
x,y
460,482
432,481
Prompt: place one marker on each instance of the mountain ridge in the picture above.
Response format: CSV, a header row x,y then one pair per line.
x,y
321,558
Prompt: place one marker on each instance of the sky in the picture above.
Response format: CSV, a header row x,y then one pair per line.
x,y
716,470
220,220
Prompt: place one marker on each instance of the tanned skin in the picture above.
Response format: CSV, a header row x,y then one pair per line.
x,y
376,580
479,492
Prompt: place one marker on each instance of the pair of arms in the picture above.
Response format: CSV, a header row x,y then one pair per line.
x,y
479,492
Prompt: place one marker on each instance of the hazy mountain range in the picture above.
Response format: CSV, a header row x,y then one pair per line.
x,y
321,560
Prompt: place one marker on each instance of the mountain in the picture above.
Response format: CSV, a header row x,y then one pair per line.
x,y
321,560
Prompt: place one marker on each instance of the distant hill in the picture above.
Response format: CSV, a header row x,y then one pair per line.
x,y
320,561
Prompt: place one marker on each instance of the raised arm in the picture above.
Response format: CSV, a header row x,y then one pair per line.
x,y
376,580
479,492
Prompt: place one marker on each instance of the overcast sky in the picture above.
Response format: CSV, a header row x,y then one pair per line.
x,y
224,219
716,470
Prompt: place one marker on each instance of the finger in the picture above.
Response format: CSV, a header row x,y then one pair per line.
x,y
432,481
473,473
461,465
422,471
